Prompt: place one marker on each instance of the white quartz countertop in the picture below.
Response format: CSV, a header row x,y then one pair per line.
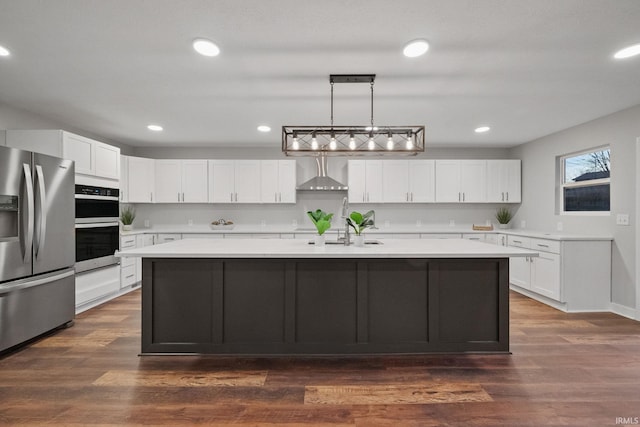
x,y
291,248
185,230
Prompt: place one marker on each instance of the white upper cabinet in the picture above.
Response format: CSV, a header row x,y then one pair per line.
x,y
92,158
460,181
422,181
141,179
408,181
503,181
234,181
278,181
365,181
181,181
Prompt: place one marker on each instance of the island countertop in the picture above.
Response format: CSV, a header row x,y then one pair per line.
x,y
291,248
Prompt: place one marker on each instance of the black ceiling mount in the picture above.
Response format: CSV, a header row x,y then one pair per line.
x,y
352,78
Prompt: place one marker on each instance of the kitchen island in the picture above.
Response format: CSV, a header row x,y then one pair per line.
x,y
280,296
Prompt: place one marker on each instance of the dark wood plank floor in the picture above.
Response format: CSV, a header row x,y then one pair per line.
x,y
566,369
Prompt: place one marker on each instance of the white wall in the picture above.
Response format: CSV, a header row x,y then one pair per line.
x,y
538,206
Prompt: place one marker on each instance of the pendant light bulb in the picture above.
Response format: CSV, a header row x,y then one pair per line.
x,y
352,142
296,144
314,143
371,144
389,142
409,142
332,143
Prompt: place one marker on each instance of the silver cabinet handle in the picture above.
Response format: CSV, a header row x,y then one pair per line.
x,y
463,198
42,232
412,196
507,196
178,196
231,195
28,244
407,196
236,197
543,246
459,197
151,196
280,197
131,275
503,196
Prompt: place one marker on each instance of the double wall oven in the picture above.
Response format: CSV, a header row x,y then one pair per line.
x,y
97,229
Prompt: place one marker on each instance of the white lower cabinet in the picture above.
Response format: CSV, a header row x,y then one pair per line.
x,y
96,286
167,237
572,275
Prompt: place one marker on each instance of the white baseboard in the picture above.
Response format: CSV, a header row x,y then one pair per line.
x,y
625,311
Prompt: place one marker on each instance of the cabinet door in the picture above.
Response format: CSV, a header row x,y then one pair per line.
x,y
357,181
247,180
472,180
520,271
107,161
141,177
513,181
495,181
373,181
221,181
80,150
503,181
168,186
395,181
124,179
545,275
269,181
448,181
287,181
422,185
194,181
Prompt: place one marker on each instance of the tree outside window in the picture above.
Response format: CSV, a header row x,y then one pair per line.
x,y
586,181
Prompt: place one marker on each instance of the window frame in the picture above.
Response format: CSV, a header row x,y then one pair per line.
x,y
590,183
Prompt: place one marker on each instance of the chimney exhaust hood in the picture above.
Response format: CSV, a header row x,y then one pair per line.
x,y
322,182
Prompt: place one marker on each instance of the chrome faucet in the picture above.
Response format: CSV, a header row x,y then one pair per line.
x,y
345,215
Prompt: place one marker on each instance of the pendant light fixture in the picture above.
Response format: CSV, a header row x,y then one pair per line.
x,y
352,140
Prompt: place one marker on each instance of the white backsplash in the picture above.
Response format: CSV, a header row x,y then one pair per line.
x,y
271,214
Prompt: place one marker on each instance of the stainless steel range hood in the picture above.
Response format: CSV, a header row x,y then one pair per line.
x,y
322,182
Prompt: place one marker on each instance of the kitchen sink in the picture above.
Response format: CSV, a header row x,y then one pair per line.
x,y
336,242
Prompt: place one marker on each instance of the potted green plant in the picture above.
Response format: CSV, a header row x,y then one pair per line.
x,y
359,223
127,215
504,216
322,221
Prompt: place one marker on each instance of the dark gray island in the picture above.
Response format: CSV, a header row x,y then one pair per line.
x,y
285,297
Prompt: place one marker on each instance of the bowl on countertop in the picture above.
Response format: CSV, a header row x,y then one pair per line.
x,y
222,226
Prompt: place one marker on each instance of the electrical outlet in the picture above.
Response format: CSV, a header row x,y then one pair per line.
x,y
523,224
622,219
190,222
559,226
452,223
146,223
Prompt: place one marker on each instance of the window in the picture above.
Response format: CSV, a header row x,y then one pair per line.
x,y
585,182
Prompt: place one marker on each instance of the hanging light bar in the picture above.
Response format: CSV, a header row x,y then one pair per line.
x,y
352,140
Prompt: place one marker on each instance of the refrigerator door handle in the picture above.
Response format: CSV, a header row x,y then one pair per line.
x,y
43,209
28,244
24,284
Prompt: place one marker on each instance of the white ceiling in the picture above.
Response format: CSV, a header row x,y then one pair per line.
x,y
526,68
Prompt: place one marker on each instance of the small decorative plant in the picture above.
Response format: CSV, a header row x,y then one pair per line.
x,y
360,222
127,215
321,220
504,215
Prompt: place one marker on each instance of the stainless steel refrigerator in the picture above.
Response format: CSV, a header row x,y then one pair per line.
x,y
37,245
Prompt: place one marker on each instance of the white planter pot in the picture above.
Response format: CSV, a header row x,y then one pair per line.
x,y
358,240
127,227
504,226
318,240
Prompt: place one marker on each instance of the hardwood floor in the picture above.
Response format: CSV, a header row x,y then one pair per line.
x,y
566,369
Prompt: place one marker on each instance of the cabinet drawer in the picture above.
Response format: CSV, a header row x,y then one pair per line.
x,y
127,275
519,242
543,245
125,262
165,237
127,242
480,237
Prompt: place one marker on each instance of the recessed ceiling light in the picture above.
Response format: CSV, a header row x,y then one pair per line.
x,y
628,52
416,48
155,128
206,47
264,128
4,51
482,129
